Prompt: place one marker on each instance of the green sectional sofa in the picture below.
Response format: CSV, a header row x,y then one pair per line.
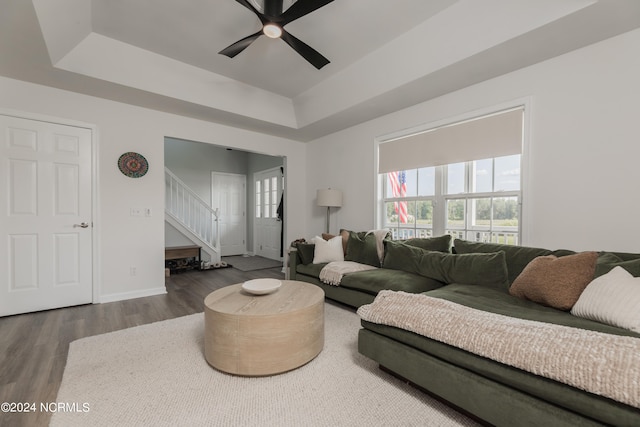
x,y
362,287
476,275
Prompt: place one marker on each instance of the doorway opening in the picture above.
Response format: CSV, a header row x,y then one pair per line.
x,y
215,174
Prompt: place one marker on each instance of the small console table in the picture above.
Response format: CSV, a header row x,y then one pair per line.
x,y
184,253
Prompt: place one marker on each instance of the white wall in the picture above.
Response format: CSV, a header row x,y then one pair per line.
x,y
173,237
584,150
127,241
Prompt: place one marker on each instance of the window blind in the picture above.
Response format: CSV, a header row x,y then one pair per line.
x,y
495,135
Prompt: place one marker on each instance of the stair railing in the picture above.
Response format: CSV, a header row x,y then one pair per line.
x,y
186,207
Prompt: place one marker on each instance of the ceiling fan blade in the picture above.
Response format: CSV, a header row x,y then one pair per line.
x,y
240,45
299,9
306,51
249,6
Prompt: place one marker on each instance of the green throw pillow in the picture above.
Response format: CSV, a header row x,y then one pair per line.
x,y
488,269
517,257
400,256
440,243
361,248
607,261
306,251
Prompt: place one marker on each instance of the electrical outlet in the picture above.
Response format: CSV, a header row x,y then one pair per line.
x,y
133,271
136,212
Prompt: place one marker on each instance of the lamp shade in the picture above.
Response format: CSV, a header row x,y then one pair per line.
x,y
329,198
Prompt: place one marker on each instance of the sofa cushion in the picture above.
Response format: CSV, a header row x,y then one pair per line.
x,y
518,257
612,298
373,281
305,252
440,243
362,248
310,269
555,282
480,269
449,357
487,299
327,251
608,260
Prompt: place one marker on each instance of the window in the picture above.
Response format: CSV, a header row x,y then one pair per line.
x,y
266,197
462,179
477,200
268,185
409,200
487,207
258,209
274,197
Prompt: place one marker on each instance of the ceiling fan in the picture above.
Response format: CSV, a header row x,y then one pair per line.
x,y
273,20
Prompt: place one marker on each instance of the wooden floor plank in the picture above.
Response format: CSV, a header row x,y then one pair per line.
x,y
34,346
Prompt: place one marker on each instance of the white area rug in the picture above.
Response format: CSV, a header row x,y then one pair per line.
x,y
156,375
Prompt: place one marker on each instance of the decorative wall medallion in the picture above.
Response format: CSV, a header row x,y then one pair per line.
x,y
133,165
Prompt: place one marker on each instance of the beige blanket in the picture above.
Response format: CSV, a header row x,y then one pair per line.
x,y
603,364
380,235
332,273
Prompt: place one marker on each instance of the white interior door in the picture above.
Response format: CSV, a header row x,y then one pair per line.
x,y
45,196
228,193
268,188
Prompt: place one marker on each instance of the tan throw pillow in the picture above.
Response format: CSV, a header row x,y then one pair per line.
x,y
555,282
345,239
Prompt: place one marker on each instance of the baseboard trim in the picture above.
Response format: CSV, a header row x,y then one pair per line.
x,y
133,294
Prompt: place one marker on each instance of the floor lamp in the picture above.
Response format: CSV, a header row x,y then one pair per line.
x,y
331,199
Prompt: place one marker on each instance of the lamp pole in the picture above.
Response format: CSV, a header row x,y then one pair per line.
x,y
329,198
328,216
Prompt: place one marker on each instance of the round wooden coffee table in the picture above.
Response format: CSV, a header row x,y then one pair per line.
x,y
255,335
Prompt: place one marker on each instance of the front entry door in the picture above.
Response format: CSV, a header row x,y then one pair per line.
x,y
268,227
45,216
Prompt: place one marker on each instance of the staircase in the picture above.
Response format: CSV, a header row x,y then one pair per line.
x,y
191,216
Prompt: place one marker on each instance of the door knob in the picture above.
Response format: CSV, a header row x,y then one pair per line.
x,y
81,225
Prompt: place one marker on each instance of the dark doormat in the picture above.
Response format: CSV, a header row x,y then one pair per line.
x,y
251,263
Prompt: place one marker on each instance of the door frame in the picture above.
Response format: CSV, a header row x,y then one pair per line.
x,y
95,220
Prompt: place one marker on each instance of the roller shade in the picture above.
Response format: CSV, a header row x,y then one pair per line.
x,y
496,135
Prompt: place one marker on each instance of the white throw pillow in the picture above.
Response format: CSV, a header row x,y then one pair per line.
x,y
613,298
328,250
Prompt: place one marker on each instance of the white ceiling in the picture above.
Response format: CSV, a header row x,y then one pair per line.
x,y
194,32
385,55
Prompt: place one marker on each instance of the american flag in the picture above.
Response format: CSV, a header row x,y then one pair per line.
x,y
398,182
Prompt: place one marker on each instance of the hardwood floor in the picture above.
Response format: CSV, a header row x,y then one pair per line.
x,y
35,345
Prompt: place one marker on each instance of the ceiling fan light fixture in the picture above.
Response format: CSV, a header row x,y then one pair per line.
x,y
272,31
